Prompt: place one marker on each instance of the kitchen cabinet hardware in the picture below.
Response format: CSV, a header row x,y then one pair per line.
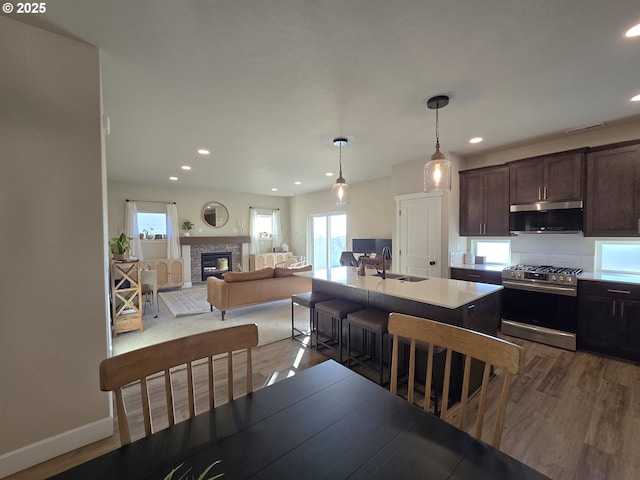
x,y
613,290
621,309
613,311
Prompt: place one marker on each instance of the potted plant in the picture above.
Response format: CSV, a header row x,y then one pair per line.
x,y
148,234
187,225
120,246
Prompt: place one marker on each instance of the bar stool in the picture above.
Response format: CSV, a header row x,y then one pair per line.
x,y
337,310
309,300
373,323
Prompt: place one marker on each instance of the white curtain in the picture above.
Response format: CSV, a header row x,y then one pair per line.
x,y
255,237
276,230
173,232
131,229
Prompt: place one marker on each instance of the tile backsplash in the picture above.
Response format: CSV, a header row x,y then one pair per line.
x,y
562,250
559,250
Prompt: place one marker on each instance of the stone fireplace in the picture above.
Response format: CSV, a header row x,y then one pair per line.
x,y
233,248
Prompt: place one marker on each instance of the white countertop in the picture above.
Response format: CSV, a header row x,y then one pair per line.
x,y
610,277
441,292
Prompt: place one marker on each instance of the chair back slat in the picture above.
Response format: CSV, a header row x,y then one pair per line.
x,y
137,365
212,396
445,388
465,390
229,376
429,376
492,351
146,413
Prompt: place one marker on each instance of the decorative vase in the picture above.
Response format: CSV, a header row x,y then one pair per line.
x,y
186,234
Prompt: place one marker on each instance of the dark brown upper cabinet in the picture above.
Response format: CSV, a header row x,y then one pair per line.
x,y
612,206
484,201
558,177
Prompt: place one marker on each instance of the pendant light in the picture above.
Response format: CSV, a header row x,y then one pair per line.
x,y
340,189
437,171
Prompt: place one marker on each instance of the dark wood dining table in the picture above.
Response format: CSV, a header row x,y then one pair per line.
x,y
325,422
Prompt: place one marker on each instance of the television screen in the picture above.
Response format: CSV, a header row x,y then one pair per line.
x,y
370,245
363,245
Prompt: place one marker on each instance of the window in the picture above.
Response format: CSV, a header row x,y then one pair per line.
x,y
264,223
152,223
329,236
618,257
497,252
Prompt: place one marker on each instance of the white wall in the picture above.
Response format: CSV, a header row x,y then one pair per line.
x,y
189,203
53,287
370,213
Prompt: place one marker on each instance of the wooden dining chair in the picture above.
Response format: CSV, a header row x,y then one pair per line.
x,y
135,366
492,351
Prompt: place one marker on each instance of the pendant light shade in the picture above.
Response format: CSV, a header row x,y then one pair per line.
x,y
340,189
437,171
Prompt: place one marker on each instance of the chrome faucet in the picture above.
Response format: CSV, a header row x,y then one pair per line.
x,y
386,255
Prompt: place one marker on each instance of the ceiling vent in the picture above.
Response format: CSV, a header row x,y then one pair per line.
x,y
585,128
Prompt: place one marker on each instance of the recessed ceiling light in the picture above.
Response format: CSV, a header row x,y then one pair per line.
x,y
274,189
186,167
173,178
297,183
476,140
636,98
633,31
329,174
203,151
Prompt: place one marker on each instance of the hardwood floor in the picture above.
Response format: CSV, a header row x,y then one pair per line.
x,y
570,415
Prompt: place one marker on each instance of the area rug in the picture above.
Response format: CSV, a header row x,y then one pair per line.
x,y
186,302
273,320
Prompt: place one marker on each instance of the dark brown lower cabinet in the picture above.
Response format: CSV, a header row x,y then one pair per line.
x,y
609,318
476,275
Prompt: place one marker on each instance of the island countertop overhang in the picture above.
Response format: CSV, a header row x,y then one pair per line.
x,y
441,292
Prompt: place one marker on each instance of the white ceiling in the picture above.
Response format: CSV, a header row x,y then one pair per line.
x,y
267,84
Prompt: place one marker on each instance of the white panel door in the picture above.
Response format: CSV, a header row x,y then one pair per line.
x,y
418,233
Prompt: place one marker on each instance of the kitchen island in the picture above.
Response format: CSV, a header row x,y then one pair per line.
x,y
456,302
475,306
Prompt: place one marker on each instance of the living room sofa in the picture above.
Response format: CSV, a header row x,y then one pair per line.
x,y
241,289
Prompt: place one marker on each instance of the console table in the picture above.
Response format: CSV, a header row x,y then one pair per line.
x,y
126,296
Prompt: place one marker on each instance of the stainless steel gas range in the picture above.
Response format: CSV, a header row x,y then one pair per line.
x,y
540,303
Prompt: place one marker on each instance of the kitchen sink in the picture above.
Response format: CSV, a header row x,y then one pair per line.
x,y
405,278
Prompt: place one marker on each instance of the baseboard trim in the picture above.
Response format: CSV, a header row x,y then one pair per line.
x,y
51,447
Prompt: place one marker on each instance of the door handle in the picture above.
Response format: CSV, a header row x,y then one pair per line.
x,y
539,193
432,262
621,309
545,193
613,312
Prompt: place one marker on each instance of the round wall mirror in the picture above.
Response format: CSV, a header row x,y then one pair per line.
x,y
215,214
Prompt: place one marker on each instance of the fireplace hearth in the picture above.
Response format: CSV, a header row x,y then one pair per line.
x,y
215,264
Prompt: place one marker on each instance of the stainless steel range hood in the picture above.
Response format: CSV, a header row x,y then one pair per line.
x,y
546,217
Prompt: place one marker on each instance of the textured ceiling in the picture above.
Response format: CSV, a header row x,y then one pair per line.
x,y
266,85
